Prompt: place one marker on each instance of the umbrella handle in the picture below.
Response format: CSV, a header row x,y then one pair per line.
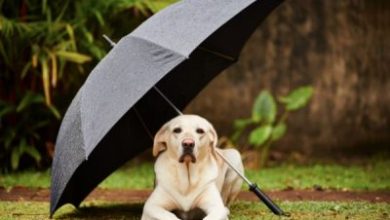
x,y
267,201
255,189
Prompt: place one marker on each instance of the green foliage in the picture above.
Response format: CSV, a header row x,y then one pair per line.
x,y
278,131
265,126
28,118
46,49
260,135
264,108
23,148
297,98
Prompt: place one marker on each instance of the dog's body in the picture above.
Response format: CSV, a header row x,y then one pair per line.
x,y
191,179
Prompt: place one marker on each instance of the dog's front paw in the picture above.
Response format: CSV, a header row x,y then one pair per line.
x,y
212,218
161,217
218,214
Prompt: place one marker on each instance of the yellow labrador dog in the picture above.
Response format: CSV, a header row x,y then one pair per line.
x,y
191,180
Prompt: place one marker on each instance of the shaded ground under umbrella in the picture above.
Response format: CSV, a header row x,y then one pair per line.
x,y
175,52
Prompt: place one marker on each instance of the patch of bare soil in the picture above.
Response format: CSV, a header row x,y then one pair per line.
x,y
126,195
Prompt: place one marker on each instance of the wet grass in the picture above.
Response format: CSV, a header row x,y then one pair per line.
x,y
131,177
239,211
32,179
313,210
372,176
375,176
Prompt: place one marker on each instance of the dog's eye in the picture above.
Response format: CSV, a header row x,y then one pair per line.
x,y
200,131
177,130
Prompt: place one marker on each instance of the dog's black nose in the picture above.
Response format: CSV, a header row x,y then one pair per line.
x,y
188,143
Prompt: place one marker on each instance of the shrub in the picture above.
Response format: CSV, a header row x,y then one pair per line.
x,y
46,50
265,125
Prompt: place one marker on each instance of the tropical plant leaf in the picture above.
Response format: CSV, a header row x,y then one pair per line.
x,y
54,111
298,98
61,68
140,8
40,124
49,25
236,135
74,56
97,52
156,6
278,131
9,137
99,17
32,152
15,157
70,31
34,60
23,148
28,99
242,123
25,70
260,135
46,81
239,126
264,108
5,110
44,6
88,36
3,52
63,10
54,68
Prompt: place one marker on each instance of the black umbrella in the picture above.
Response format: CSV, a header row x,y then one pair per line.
x,y
176,53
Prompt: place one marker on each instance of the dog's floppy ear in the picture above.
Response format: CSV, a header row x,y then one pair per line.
x,y
160,141
213,137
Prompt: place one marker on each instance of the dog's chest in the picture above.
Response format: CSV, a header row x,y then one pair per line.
x,y
186,183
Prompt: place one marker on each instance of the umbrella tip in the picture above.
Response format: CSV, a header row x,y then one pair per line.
x,y
109,40
51,213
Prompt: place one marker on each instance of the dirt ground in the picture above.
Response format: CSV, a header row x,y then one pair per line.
x,y
125,195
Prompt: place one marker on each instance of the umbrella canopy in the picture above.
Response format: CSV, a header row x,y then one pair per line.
x,y
114,114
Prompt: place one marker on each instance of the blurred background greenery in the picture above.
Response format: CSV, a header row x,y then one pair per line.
x,y
47,49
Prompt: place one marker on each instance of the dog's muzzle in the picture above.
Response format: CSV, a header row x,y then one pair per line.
x,y
188,151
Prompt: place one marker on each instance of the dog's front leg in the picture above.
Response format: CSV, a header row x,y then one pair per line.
x,y
152,212
157,208
211,203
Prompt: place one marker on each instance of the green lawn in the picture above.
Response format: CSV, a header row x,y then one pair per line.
x,y
372,176
239,211
375,176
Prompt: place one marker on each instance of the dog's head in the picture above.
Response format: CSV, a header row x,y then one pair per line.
x,y
187,137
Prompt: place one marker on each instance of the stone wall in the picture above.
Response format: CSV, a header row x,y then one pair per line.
x,y
339,47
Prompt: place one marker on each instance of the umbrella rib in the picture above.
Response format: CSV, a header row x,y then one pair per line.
x,y
162,46
167,100
112,43
219,54
143,123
